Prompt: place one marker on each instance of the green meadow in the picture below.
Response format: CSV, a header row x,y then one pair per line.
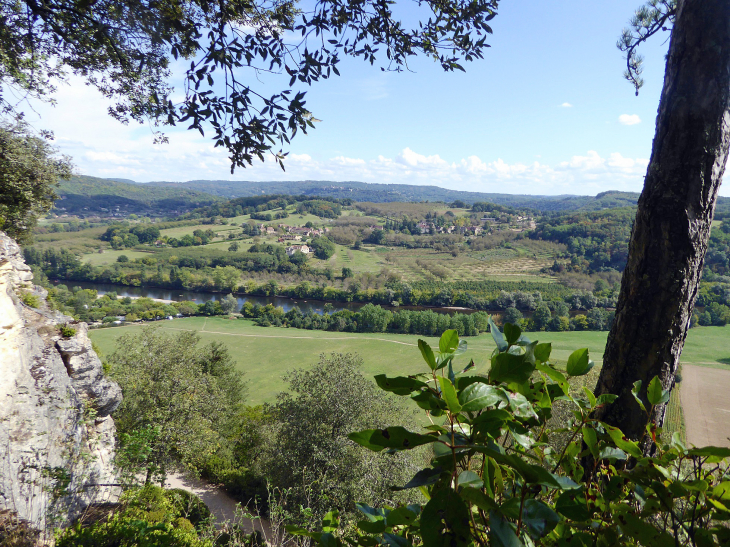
x,y
266,354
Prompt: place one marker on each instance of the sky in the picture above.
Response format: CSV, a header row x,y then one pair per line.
x,y
547,111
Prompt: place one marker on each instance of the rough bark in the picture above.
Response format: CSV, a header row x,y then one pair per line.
x,y
674,217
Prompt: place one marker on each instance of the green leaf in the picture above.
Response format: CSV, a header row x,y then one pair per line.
x,y
449,341
509,368
469,479
572,506
369,527
425,477
331,521
555,375
501,533
499,340
448,392
591,440
621,441
479,396
445,521
646,534
534,474
612,453
521,407
512,333
400,385
722,491
394,540
635,392
478,498
397,438
589,395
461,348
402,515
427,353
539,518
718,451
606,399
655,393
542,352
579,363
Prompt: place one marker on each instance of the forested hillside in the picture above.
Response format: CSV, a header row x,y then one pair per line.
x,y
90,195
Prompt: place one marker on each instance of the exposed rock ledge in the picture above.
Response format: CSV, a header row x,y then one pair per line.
x,y
56,432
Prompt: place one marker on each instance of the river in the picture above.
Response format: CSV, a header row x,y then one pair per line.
x,y
178,295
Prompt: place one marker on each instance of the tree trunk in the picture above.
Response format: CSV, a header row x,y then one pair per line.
x,y
674,217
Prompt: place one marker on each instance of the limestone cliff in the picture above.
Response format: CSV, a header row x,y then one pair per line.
x,y
56,432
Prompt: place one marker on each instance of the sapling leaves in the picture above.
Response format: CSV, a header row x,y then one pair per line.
x,y
499,340
449,341
396,438
425,477
655,393
400,385
512,333
445,520
479,396
427,354
448,392
579,363
508,368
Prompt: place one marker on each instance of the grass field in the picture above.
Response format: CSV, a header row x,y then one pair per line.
x,y
265,354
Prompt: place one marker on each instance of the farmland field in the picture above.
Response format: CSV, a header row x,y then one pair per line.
x,y
265,354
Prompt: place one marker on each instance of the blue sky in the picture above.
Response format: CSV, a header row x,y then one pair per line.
x,y
546,111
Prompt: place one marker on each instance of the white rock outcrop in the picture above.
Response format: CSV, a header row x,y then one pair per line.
x,y
56,432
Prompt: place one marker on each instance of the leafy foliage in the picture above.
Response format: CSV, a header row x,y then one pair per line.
x,y
183,396
312,458
29,171
125,49
495,478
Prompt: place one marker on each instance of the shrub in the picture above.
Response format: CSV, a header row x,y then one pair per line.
x,y
496,479
66,331
30,299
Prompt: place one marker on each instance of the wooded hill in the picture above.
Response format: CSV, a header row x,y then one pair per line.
x,y
91,195
83,191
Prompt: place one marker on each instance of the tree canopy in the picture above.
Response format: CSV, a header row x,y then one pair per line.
x,y
29,170
126,49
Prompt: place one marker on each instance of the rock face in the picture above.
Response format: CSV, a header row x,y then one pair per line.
x,y
56,432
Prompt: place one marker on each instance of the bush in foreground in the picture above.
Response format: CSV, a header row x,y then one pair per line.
x,y
495,479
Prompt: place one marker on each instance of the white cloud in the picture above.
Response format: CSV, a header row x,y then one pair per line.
x,y
629,119
566,105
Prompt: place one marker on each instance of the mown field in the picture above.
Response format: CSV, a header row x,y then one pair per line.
x,y
266,354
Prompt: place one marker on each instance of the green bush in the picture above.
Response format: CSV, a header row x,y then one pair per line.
x,y
66,331
148,516
497,478
30,299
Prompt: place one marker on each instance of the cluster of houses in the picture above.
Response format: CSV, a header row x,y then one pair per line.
x,y
521,224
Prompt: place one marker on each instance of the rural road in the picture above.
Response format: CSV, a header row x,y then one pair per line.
x,y
219,502
704,395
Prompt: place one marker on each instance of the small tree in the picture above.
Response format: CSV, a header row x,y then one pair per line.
x,y
29,171
323,248
312,456
229,303
180,395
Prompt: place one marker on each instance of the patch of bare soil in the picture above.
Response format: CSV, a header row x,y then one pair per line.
x,y
705,396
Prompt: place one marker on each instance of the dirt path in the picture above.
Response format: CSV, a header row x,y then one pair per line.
x,y
218,501
706,405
